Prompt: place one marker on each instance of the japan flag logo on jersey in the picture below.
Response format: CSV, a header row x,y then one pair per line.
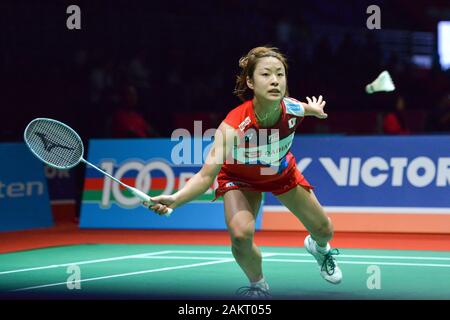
x,y
292,122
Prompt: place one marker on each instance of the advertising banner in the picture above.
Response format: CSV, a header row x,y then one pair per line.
x,y
24,201
382,184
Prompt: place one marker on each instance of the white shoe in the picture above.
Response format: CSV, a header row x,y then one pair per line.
x,y
258,292
329,269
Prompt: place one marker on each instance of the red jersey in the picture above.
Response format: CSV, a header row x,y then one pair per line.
x,y
262,160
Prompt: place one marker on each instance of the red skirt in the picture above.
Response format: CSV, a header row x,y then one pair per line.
x,y
284,183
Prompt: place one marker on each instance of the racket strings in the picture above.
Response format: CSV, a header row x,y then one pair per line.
x,y
58,135
75,152
60,160
54,143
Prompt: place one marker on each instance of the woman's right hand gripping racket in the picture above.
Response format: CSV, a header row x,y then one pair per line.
x,y
161,204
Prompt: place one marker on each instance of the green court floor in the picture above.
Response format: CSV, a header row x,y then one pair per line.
x,y
210,272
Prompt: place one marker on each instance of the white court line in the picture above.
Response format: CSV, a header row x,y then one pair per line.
x,y
85,262
308,255
371,257
312,261
127,274
393,257
215,252
193,258
222,260
180,258
368,263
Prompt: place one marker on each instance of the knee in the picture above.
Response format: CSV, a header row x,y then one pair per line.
x,y
241,235
323,230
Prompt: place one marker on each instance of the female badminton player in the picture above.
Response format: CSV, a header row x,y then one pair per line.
x,y
247,165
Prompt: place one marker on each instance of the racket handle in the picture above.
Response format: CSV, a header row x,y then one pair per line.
x,y
144,197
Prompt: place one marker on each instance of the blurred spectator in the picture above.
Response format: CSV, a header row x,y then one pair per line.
x,y
284,32
394,121
345,53
439,117
369,56
323,54
102,80
138,73
127,121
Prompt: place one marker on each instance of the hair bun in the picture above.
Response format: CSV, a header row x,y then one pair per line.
x,y
243,62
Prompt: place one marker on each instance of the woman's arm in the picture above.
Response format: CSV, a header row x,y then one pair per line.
x,y
202,180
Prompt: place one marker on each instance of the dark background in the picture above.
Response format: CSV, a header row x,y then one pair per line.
x,y
181,57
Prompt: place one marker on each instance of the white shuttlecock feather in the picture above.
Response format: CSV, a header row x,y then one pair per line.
x,y
382,83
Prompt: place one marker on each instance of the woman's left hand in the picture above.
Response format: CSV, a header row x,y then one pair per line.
x,y
315,107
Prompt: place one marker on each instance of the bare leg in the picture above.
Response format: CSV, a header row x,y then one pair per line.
x,y
241,208
307,209
305,206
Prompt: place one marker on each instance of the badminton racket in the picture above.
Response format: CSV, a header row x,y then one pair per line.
x,y
59,146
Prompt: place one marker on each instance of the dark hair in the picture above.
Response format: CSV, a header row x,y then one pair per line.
x,y
248,64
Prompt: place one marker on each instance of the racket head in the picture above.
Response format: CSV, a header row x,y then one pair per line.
x,y
54,143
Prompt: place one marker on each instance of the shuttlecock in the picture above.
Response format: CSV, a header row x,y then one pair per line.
x,y
382,83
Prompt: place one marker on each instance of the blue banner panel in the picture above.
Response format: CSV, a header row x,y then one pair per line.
x,y
24,201
407,171
155,166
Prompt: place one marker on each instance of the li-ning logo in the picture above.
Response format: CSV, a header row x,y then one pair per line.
x,y
48,144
